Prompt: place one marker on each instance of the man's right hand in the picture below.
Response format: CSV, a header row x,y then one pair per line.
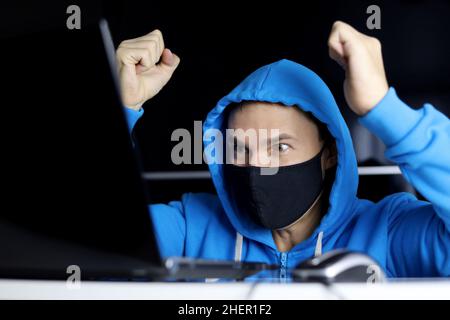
x,y
141,75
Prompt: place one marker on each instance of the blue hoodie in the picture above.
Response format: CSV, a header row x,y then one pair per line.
x,y
407,237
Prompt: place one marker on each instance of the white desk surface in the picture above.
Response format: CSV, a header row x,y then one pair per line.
x,y
34,289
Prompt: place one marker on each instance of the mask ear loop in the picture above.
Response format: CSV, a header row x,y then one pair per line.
x,y
322,148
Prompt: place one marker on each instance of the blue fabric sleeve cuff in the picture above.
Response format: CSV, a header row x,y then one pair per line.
x,y
133,116
391,119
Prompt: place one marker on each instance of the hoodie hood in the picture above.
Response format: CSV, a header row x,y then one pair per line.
x,y
293,85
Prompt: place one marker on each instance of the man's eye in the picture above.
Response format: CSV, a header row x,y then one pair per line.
x,y
283,147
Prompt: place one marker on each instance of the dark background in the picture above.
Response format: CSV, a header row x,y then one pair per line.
x,y
222,42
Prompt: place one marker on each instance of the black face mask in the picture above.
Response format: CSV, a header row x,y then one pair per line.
x,y
276,201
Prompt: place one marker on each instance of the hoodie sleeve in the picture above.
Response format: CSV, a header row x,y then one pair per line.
x,y
132,116
418,141
169,225
168,219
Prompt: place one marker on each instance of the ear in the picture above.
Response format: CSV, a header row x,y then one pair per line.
x,y
330,155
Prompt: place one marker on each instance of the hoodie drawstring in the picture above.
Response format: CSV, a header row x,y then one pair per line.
x,y
237,255
318,250
238,247
239,243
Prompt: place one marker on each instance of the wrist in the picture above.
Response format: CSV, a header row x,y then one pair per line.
x,y
135,107
391,119
373,99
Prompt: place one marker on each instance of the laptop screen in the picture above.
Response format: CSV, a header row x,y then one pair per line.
x,y
71,190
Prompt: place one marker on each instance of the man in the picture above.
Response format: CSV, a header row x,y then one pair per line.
x,y
309,206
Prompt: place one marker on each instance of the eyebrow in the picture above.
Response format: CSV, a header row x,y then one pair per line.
x,y
285,136
281,137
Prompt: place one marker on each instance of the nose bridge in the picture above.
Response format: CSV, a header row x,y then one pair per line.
x,y
261,157
256,153
257,143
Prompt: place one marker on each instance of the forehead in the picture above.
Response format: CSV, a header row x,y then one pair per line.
x,y
264,115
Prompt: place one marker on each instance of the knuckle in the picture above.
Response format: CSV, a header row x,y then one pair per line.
x,y
159,36
157,32
152,44
338,24
121,45
375,42
148,55
120,51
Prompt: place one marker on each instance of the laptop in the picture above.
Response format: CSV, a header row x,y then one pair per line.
x,y
72,194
